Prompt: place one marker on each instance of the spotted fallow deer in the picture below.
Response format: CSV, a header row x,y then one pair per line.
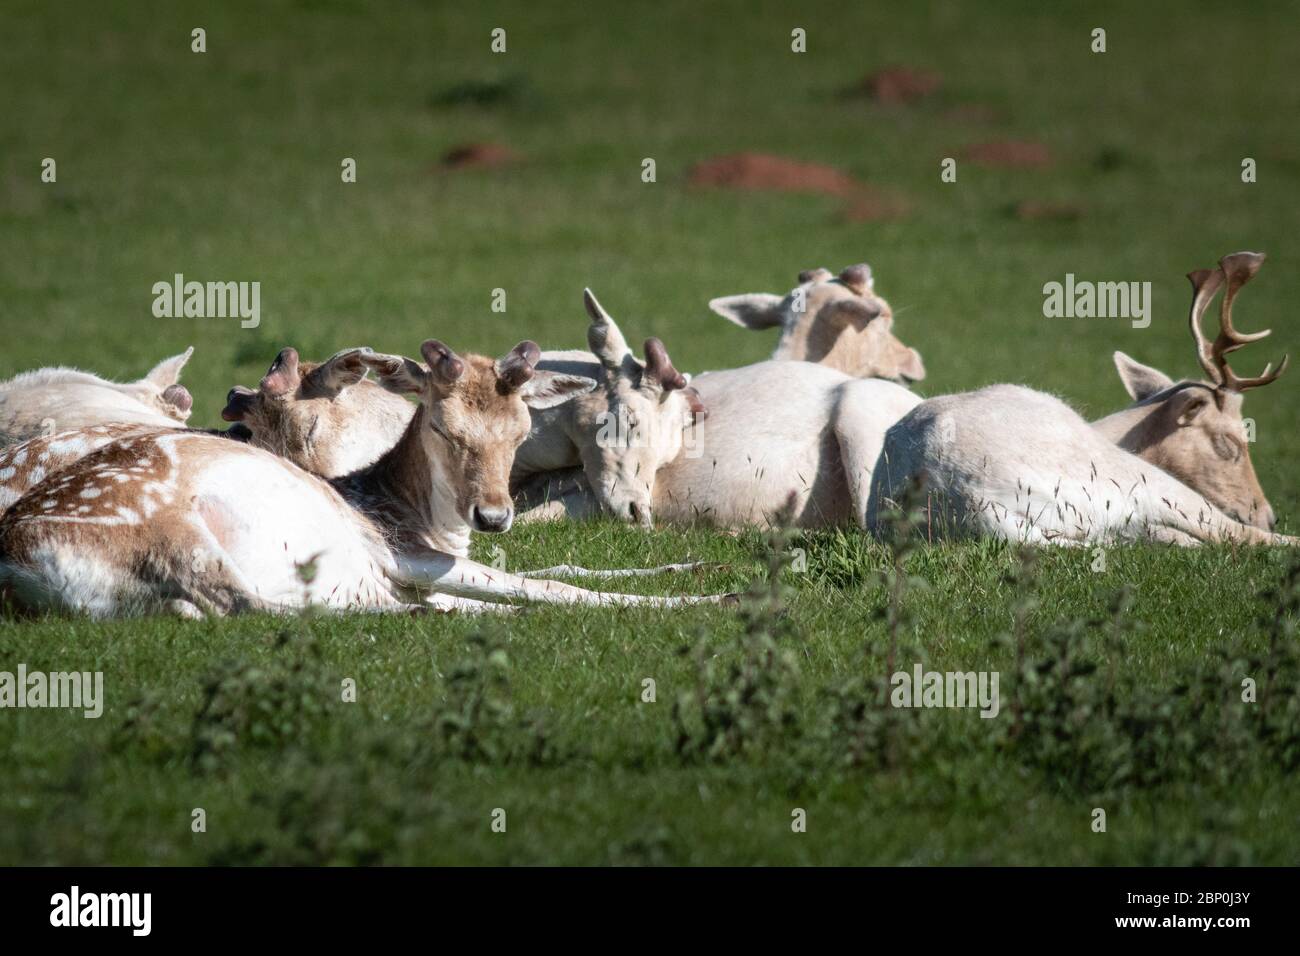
x,y
837,321
51,400
193,523
778,435
325,417
1011,462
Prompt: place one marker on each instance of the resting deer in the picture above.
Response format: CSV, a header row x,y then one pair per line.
x,y
60,399
325,417
621,433
837,321
773,430
193,523
1014,463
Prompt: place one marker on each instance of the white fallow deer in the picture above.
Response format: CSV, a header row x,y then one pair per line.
x,y
620,434
52,400
837,321
1010,462
783,440
193,523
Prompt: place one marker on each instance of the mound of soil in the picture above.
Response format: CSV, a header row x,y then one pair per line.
x,y
479,156
760,172
900,85
1012,154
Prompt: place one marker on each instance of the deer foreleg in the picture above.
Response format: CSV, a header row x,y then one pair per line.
x,y
461,577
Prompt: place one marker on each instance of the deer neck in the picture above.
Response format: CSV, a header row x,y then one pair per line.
x,y
408,494
1131,429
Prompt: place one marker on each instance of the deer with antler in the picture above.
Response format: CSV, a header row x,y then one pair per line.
x,y
620,434
836,321
1011,462
782,440
193,523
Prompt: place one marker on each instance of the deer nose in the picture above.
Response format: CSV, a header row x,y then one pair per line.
x,y
491,518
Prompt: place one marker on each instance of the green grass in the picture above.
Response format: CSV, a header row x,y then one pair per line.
x,y
226,166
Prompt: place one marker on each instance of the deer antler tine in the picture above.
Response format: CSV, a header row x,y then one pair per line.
x,y
1239,268
1264,378
1205,282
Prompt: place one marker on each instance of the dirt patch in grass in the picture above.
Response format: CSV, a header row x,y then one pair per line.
x,y
479,156
1010,154
900,85
759,172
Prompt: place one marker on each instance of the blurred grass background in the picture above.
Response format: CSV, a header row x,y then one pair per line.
x,y
225,166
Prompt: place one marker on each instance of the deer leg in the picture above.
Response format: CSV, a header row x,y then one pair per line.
x,y
574,571
461,577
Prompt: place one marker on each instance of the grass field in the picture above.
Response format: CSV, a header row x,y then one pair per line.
x,y
226,166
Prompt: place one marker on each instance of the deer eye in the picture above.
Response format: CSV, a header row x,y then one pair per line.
x,y
1227,447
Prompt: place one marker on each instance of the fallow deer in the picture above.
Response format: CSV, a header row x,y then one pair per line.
x,y
774,429
1011,462
837,321
193,523
51,400
621,433
326,417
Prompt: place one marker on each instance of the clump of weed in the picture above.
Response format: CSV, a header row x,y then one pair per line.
x,y
1093,733
247,705
478,721
143,730
865,728
334,815
743,702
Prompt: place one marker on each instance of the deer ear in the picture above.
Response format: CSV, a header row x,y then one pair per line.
x,y
168,371
548,389
604,338
341,370
911,367
396,373
1140,381
753,310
